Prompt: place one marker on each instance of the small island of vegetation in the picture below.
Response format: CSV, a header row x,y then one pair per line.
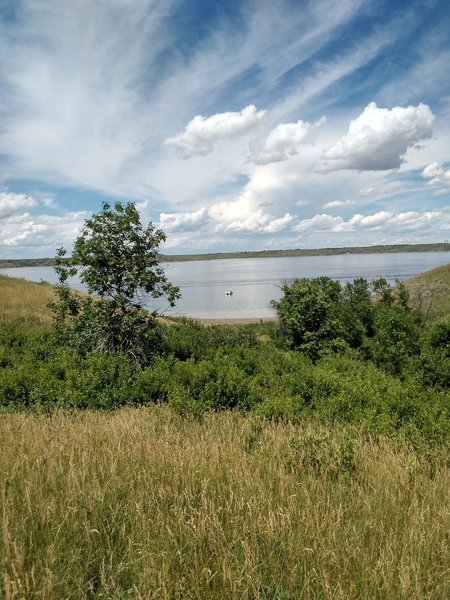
x,y
147,458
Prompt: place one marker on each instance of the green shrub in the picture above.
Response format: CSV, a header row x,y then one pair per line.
x,y
152,384
279,408
433,367
47,376
396,339
215,383
439,337
191,339
184,404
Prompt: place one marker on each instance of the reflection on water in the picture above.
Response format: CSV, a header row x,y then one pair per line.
x,y
256,281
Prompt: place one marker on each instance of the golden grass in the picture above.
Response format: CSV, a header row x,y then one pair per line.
x,y
143,504
24,301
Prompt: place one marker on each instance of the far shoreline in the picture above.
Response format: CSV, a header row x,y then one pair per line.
x,y
378,249
236,320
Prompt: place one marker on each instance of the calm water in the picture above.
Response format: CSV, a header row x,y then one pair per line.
x,y
256,281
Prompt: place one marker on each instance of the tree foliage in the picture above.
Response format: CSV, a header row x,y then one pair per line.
x,y
117,258
315,315
320,314
395,340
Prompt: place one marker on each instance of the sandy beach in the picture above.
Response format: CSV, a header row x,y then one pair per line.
x,y
243,321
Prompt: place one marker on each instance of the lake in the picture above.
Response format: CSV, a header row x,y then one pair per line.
x,y
256,281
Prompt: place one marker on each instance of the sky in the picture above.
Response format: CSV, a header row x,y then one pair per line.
x,y
233,125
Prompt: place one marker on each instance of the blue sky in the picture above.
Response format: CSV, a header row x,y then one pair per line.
x,y
233,125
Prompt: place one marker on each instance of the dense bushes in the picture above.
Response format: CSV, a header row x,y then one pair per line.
x,y
314,315
190,339
241,374
95,325
319,315
433,365
395,340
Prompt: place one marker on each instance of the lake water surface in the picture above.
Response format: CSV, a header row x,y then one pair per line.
x,y
256,281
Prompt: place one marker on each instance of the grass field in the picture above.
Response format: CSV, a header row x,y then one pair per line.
x,y
143,504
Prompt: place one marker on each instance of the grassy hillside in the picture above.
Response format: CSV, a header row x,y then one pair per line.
x,y
430,291
24,302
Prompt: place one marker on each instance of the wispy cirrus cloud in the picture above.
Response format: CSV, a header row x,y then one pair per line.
x,y
73,105
86,103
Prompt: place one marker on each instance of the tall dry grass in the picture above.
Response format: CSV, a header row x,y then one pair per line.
x,y
143,504
25,303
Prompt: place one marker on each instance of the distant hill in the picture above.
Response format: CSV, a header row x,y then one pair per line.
x,y
11,263
443,247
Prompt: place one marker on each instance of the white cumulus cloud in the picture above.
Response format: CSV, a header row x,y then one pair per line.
x,y
321,222
338,203
379,138
241,215
39,235
11,203
276,225
437,175
182,221
410,220
401,221
258,222
202,133
284,141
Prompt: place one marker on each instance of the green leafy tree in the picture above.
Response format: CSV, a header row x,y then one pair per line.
x,y
358,294
439,337
319,314
117,259
434,363
315,315
396,338
383,292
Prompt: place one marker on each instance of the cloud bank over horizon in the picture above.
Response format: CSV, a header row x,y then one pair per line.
x,y
270,124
